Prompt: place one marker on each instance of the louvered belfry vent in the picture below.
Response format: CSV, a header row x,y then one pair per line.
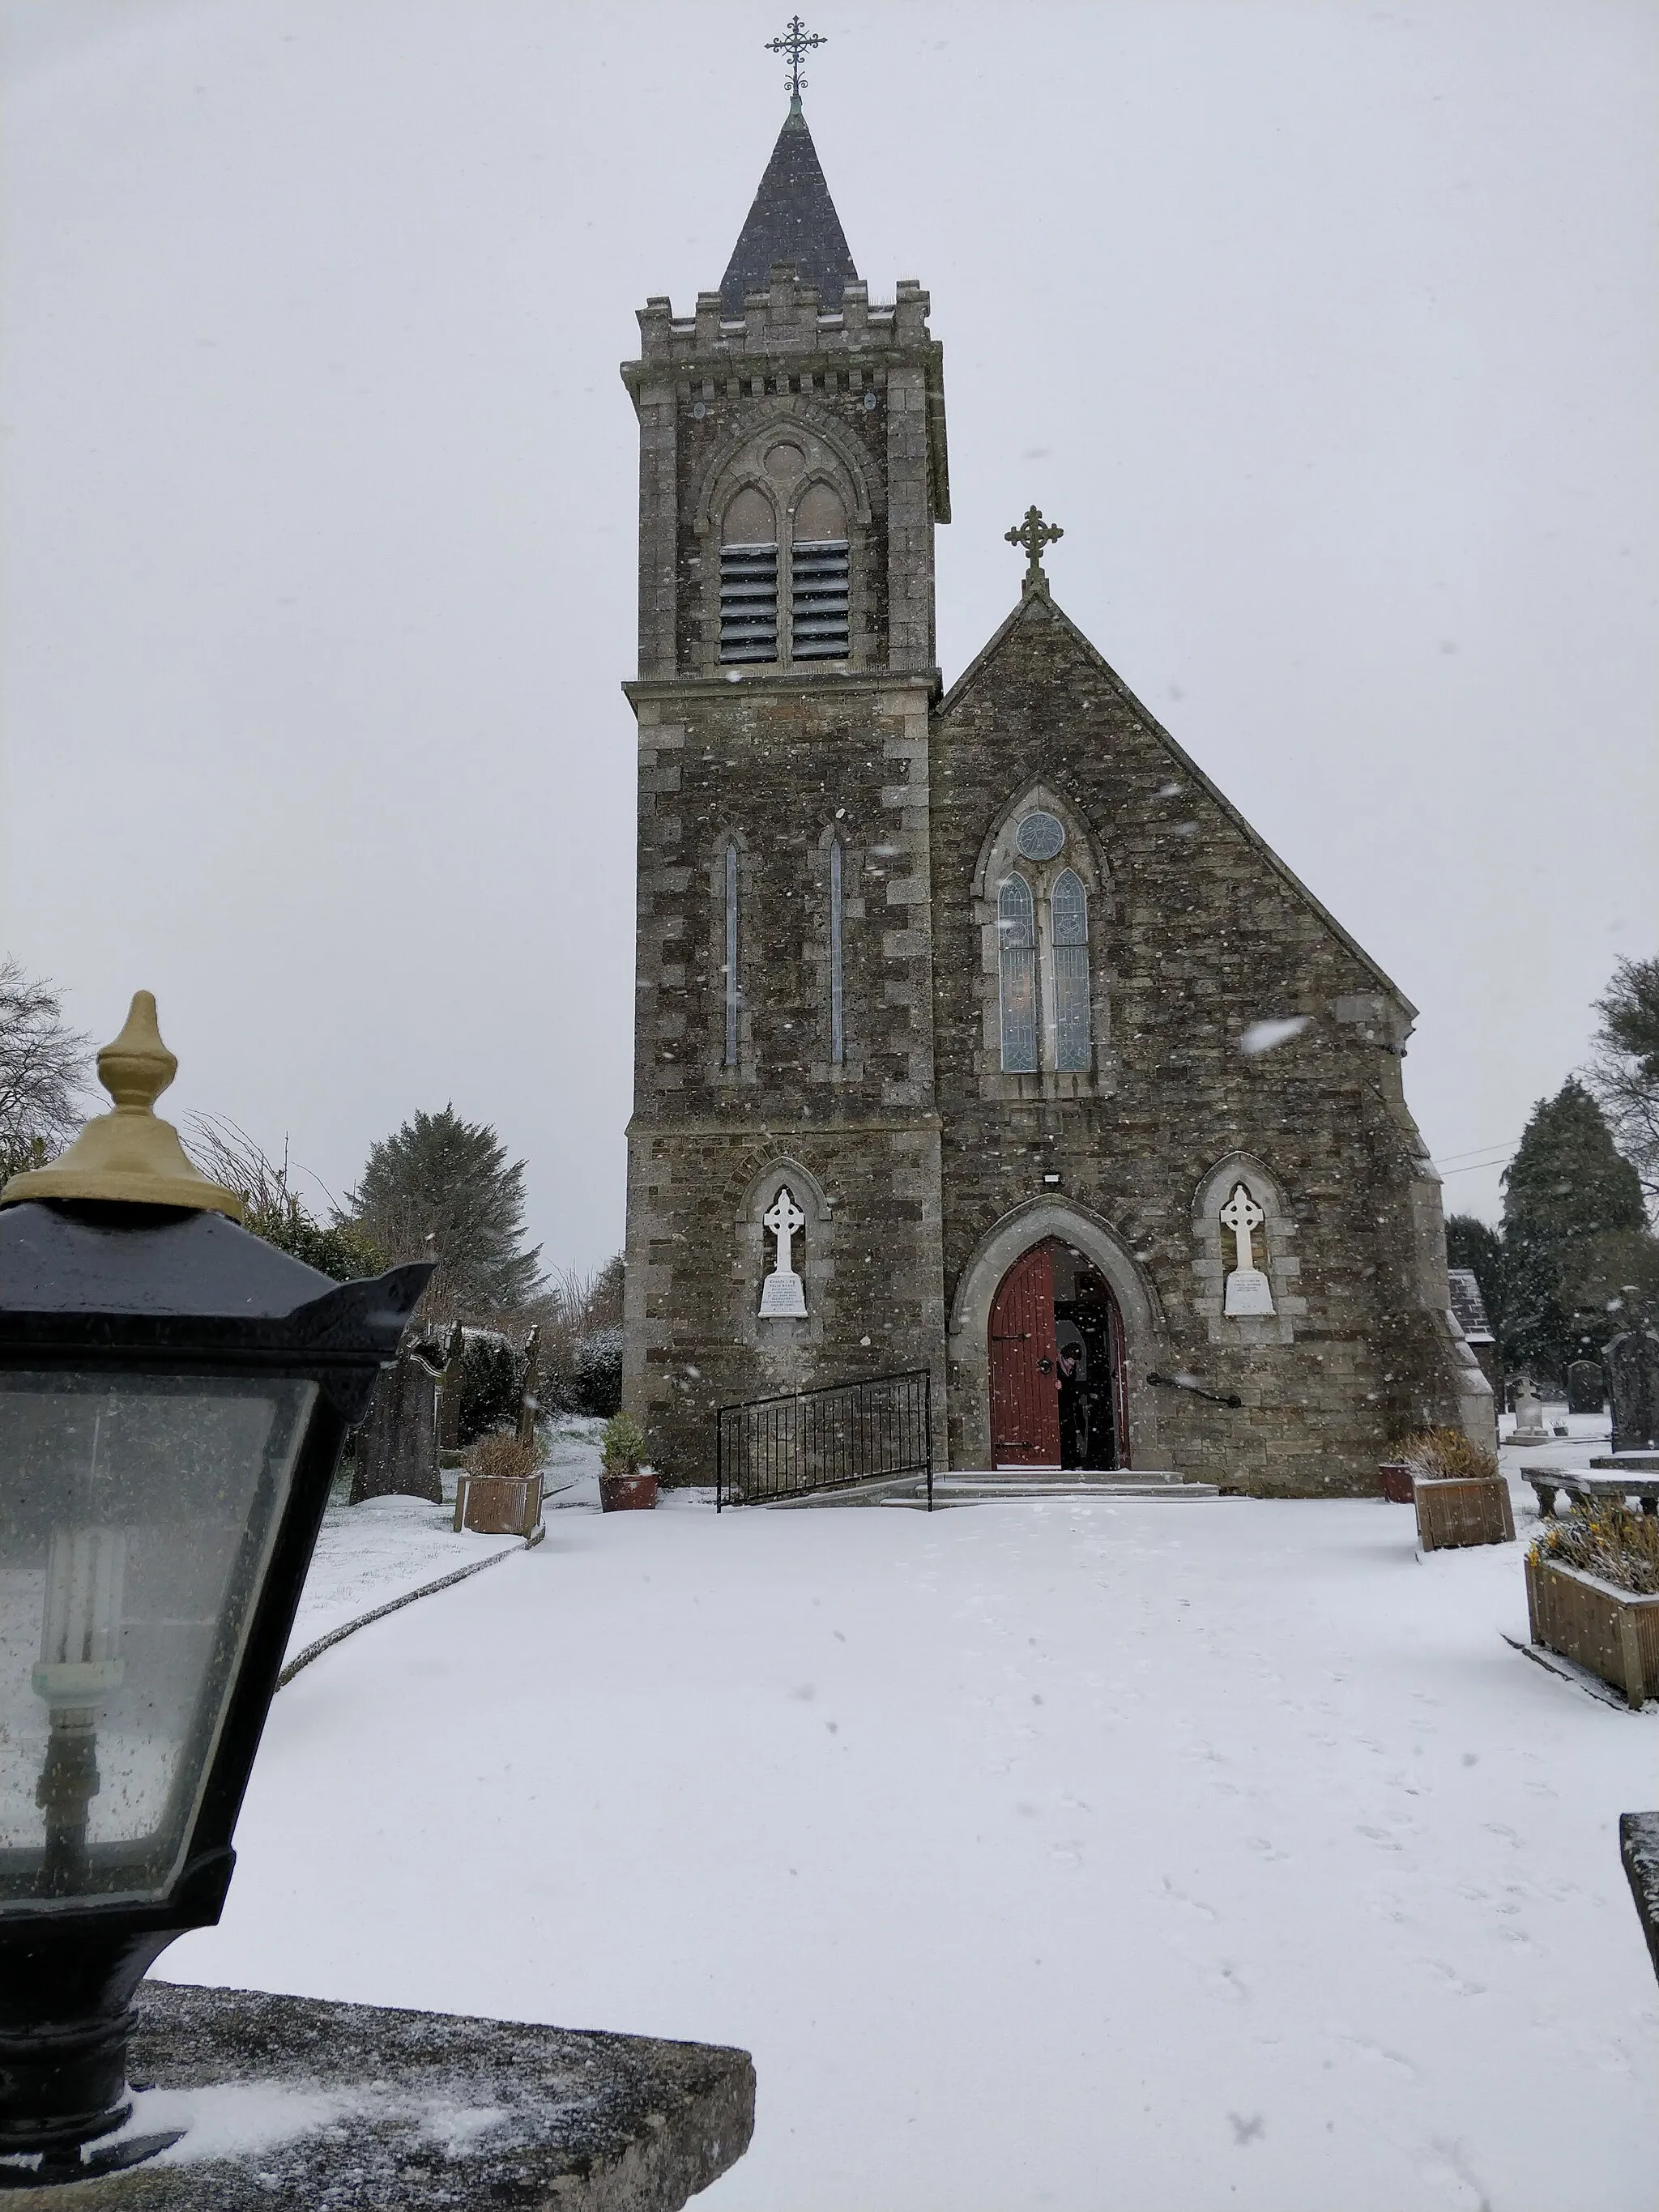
x,y
818,606
749,603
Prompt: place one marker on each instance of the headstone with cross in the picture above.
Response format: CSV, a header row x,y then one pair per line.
x,y
1034,534
1249,1291
783,1295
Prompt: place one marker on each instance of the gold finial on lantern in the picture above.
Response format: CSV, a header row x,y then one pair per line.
x,y
130,1157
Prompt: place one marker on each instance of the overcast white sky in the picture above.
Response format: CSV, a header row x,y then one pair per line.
x,y
1327,332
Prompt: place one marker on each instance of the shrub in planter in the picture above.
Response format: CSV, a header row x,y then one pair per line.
x,y
1461,1496
499,1494
1593,1595
1444,1455
504,1455
625,1484
1619,1546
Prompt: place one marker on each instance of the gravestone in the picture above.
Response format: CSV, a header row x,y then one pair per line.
x,y
397,1454
1529,1427
1632,1365
1587,1390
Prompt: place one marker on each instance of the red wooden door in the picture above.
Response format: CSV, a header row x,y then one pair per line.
x,y
1024,1389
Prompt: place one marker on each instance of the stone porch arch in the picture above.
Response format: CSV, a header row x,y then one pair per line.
x,y
966,1346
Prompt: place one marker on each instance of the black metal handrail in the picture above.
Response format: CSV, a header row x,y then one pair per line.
x,y
825,1439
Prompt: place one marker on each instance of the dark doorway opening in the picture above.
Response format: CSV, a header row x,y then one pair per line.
x,y
1058,1375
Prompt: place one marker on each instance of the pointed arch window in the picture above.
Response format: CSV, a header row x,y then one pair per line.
x,y
748,579
1068,918
1017,943
732,999
819,577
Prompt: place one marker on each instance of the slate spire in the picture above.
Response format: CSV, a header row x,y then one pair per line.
x,y
793,219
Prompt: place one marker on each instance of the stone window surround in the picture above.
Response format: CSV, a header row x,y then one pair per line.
x,y
831,460
1215,1250
756,1250
999,857
748,870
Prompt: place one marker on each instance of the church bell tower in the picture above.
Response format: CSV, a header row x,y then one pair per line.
x,y
792,473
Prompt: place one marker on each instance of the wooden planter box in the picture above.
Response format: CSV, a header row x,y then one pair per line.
x,y
1611,1633
1608,1632
1473,1511
1398,1485
498,1504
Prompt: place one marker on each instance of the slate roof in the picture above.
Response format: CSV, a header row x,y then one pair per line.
x,y
793,219
1468,1305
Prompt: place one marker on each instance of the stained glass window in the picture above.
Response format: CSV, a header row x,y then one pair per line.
x,y
1068,915
1017,933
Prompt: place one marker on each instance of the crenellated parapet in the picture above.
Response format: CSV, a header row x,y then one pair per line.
x,y
778,326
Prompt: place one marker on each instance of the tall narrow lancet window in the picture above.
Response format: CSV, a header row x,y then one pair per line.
x,y
1017,936
819,577
1068,917
730,1057
748,579
837,1013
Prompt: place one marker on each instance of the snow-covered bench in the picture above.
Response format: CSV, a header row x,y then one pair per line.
x,y
1584,1488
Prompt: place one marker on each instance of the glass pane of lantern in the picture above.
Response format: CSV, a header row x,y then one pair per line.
x,y
137,1516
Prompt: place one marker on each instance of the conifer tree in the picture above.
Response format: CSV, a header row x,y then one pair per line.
x,y
1571,1203
441,1188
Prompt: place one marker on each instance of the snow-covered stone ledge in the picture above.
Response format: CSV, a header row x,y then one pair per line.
x,y
291,2101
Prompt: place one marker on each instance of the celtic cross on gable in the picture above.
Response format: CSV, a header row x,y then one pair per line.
x,y
1034,534
795,41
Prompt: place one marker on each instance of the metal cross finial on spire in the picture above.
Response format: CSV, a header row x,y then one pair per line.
x,y
795,42
1034,534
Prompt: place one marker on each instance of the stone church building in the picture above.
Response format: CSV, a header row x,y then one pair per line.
x,y
977,1030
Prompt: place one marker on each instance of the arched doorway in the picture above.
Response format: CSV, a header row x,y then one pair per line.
x,y
1059,1373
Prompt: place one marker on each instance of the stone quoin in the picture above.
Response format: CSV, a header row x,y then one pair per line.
x,y
980,1012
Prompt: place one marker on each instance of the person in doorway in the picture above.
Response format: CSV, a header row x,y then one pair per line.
x,y
1074,1405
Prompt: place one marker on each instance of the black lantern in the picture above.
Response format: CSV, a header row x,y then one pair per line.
x,y
174,1394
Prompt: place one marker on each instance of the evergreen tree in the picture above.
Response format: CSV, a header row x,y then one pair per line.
x,y
1625,1072
440,1188
1569,1201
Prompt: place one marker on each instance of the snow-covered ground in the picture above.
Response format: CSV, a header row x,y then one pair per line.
x,y
368,1553
1071,1854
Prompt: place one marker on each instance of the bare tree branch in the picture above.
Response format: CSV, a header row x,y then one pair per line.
x,y
45,1069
